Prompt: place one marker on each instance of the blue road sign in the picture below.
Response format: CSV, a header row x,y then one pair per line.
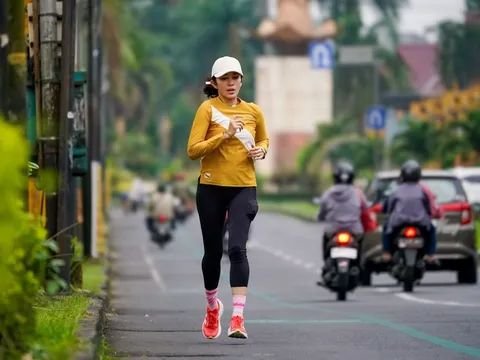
x,y
376,117
322,54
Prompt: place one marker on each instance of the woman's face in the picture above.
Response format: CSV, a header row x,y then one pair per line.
x,y
229,85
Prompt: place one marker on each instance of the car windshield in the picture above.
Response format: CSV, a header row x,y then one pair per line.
x,y
445,189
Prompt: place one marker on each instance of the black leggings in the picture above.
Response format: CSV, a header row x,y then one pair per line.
x,y
213,202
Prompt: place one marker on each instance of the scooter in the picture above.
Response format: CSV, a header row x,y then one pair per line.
x,y
341,271
162,233
408,264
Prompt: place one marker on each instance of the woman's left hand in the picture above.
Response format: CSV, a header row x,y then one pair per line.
x,y
256,153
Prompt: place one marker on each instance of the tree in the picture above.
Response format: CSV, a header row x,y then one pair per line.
x,y
473,5
420,141
459,141
12,60
160,54
354,86
459,53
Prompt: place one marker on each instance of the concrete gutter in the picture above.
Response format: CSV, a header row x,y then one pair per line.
x,y
91,329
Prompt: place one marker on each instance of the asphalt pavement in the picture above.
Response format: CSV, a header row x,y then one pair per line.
x,y
157,303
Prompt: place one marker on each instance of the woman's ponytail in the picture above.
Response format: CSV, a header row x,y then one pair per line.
x,y
209,89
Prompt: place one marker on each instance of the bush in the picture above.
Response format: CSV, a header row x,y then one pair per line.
x,y
22,249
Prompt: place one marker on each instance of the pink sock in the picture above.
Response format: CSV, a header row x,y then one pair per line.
x,y
238,305
212,298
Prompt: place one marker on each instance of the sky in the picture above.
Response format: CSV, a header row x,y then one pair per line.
x,y
421,14
415,18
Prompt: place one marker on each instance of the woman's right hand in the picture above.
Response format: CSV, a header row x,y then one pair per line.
x,y
236,124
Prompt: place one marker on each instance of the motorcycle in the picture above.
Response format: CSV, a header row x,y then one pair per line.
x,y
183,211
408,265
162,230
341,271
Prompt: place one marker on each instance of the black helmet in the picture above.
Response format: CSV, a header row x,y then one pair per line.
x,y
161,188
344,173
410,171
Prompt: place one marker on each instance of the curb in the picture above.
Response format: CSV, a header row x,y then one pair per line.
x,y
91,328
92,325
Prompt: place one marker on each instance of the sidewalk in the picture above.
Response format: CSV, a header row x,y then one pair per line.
x,y
157,296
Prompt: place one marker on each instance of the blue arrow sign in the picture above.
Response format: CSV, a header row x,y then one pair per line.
x,y
322,54
376,117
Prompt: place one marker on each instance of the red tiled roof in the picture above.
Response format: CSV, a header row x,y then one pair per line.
x,y
421,60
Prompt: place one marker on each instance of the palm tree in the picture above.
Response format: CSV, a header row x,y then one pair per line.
x,y
420,141
459,140
347,14
354,86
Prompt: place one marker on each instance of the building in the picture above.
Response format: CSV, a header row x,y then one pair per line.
x,y
294,90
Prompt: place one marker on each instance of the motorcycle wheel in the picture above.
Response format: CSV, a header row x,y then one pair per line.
x,y
342,287
366,277
409,279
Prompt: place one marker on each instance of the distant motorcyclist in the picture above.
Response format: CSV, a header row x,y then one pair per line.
x,y
343,206
136,194
181,191
162,203
411,203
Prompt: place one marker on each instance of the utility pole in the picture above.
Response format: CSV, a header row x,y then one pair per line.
x,y
49,99
66,190
55,83
94,128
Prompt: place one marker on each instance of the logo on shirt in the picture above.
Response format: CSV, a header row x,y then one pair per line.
x,y
207,175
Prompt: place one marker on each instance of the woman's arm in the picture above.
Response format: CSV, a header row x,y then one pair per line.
x,y
197,145
261,133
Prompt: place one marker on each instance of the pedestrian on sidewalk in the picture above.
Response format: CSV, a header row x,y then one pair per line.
x,y
228,134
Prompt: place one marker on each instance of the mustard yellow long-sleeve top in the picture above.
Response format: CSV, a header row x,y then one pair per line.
x,y
225,162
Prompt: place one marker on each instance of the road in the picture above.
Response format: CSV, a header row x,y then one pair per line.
x,y
157,302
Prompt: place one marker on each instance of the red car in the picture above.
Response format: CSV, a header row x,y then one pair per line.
x,y
456,243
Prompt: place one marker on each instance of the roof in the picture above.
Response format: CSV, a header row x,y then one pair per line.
x,y
425,173
421,60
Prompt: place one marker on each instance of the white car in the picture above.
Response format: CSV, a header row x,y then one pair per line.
x,y
470,178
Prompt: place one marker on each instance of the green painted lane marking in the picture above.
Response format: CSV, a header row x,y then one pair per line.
x,y
447,344
280,303
372,320
303,322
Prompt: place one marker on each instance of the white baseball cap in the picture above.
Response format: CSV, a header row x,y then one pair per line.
x,y
224,65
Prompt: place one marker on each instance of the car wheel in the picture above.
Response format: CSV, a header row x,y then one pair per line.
x,y
467,273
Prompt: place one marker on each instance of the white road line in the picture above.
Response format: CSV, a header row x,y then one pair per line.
x,y
309,266
416,299
288,258
382,290
155,275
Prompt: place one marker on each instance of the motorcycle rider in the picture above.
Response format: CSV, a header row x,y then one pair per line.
x,y
162,203
411,203
343,206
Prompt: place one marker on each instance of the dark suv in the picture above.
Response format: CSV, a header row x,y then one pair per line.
x,y
456,247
